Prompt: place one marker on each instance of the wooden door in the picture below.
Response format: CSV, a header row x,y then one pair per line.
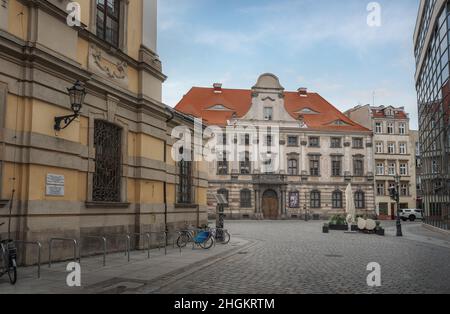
x,y
270,205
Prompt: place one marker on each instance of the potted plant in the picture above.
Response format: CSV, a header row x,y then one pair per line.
x,y
379,230
326,228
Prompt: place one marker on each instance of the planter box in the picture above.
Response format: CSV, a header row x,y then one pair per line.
x,y
380,232
343,227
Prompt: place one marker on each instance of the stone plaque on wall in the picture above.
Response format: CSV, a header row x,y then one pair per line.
x,y
54,185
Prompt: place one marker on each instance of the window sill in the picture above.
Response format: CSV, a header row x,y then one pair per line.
x,y
3,203
195,206
107,205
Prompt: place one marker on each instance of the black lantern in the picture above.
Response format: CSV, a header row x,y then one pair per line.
x,y
76,94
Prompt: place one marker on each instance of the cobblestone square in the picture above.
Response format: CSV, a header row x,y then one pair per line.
x,y
295,257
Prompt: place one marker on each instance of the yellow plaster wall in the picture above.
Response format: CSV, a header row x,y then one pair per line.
x,y
151,192
171,193
202,196
149,147
170,160
20,173
18,113
85,11
72,184
43,115
135,21
83,52
18,19
133,80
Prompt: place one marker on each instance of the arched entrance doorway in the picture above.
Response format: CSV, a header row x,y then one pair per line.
x,y
270,204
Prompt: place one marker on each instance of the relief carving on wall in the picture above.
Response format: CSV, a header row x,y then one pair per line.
x,y
113,69
4,3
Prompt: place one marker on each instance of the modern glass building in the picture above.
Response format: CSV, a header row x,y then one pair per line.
x,y
431,43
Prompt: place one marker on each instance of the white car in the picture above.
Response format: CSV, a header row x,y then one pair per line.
x,y
411,214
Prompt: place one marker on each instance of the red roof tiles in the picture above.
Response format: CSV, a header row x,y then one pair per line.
x,y
198,101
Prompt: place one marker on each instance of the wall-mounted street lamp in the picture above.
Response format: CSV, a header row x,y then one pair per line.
x,y
77,94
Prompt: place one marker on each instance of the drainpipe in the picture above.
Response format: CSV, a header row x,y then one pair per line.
x,y
166,227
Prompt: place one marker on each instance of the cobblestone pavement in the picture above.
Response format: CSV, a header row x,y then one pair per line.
x,y
296,257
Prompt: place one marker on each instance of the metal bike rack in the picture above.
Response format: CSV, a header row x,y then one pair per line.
x,y
140,235
75,246
127,239
39,246
101,238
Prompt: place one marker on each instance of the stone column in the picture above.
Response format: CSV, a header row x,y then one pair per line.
x,y
258,210
283,203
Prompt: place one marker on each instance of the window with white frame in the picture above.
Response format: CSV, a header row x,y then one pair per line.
x,y
380,169
381,191
379,128
391,169
379,148
403,150
404,189
403,169
402,128
391,148
390,128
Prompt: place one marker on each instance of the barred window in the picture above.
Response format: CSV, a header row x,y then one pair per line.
x,y
360,202
108,20
315,199
185,185
246,198
108,160
337,199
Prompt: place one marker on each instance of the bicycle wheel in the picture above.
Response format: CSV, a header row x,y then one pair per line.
x,y
226,238
182,240
207,244
12,272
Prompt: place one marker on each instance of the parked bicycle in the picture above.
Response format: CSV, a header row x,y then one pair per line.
x,y
221,236
203,237
8,255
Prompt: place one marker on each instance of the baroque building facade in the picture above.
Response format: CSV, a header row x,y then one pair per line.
x,y
431,47
296,152
110,172
394,155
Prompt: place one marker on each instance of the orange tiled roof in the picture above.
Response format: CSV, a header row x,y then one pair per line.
x,y
199,101
381,114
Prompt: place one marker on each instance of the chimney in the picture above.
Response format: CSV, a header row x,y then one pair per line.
x,y
303,91
217,88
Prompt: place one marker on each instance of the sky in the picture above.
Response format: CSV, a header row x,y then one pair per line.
x,y
324,45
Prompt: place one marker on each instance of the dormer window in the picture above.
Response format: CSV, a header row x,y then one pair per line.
x,y
108,19
268,113
218,108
